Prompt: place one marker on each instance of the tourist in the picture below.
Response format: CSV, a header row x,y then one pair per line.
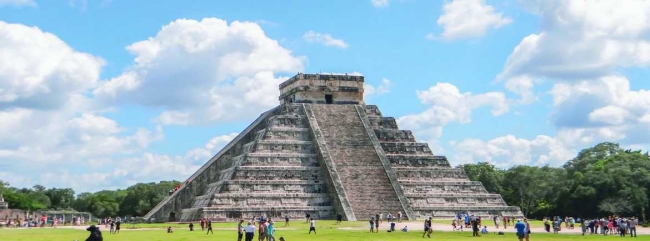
x,y
286,220
547,225
339,218
392,227
453,224
240,230
203,224
427,229
270,231
521,230
372,225
632,225
622,227
281,239
405,229
475,224
261,230
312,226
95,234
484,230
377,225
399,216
117,226
208,225
170,230
191,227
390,217
381,218
497,221
112,227
307,216
527,231
250,231
610,225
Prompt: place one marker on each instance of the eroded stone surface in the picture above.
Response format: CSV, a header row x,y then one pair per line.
x,y
323,159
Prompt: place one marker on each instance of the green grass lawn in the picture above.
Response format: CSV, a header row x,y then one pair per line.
x,y
297,232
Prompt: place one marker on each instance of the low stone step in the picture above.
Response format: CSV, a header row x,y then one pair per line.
x,y
382,122
394,135
274,188
274,182
268,199
284,146
276,173
288,121
420,173
261,208
451,195
271,195
410,148
423,160
234,214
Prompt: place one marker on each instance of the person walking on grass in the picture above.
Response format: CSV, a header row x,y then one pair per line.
x,y
521,230
339,218
286,220
372,225
527,231
312,226
240,230
427,229
209,227
270,231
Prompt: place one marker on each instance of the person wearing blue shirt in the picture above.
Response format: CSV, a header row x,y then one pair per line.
x,y
521,230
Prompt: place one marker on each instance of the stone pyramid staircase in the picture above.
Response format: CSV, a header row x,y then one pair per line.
x,y
432,186
324,159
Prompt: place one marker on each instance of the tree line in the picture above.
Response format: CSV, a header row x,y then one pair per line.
x,y
134,201
600,181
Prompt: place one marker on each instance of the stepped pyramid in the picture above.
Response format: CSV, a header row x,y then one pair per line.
x,y
322,151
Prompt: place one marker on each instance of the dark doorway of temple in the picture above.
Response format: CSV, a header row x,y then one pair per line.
x,y
172,217
328,99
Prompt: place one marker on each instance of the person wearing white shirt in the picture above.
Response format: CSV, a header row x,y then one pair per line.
x,y
312,226
250,231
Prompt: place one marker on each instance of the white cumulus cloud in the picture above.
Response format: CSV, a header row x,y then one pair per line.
x,y
447,104
324,39
39,70
579,40
463,19
203,72
371,90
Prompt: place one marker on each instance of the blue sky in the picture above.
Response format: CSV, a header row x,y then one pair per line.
x,y
118,92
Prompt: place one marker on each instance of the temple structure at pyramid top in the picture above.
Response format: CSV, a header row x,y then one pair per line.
x,y
322,89
323,152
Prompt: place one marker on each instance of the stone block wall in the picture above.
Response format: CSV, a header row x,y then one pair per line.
x,y
432,186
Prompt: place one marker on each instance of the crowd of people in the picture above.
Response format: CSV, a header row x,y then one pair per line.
x,y
44,221
114,224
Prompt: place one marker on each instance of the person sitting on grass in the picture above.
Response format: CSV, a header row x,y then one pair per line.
x,y
170,230
405,229
191,227
484,230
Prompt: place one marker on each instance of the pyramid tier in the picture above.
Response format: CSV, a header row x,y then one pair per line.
x,y
423,160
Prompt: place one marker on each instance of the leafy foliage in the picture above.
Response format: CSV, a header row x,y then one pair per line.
x,y
134,201
601,180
